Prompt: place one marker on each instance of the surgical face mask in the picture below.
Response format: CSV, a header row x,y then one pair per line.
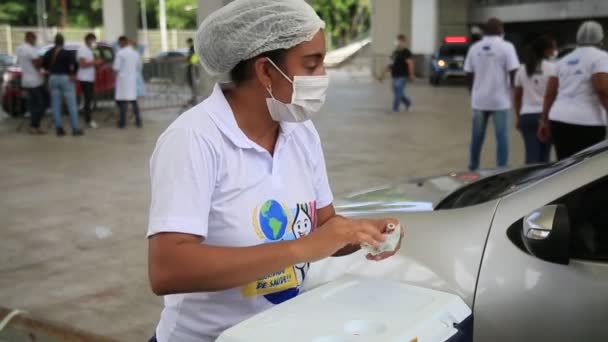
x,y
307,98
93,45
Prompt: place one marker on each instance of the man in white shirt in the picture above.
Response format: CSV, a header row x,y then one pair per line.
x,y
86,74
127,65
491,65
29,61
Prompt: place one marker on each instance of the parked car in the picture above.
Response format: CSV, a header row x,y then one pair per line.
x,y
13,98
178,55
526,249
448,61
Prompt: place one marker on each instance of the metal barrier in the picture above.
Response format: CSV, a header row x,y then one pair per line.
x,y
167,84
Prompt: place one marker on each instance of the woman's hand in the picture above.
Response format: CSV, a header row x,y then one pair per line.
x,y
381,225
335,234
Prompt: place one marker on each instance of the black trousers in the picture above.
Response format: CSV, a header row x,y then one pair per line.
x,y
122,107
88,91
36,103
570,139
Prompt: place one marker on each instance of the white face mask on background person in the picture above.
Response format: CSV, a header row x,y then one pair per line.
x,y
307,98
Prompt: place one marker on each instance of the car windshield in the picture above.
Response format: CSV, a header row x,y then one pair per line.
x,y
502,184
453,50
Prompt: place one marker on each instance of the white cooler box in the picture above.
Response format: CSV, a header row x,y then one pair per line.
x,y
355,309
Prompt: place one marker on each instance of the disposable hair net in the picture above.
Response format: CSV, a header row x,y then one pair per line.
x,y
590,33
244,29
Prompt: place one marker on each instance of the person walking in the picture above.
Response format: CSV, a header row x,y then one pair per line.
x,y
530,86
127,65
490,65
574,111
86,75
62,68
401,69
191,60
32,81
240,199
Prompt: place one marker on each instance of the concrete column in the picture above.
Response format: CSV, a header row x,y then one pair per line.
x,y
453,18
120,17
424,26
204,8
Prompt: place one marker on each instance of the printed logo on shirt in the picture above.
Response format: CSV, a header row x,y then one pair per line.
x,y
573,61
274,222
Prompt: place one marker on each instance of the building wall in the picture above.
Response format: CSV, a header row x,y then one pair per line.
x,y
512,11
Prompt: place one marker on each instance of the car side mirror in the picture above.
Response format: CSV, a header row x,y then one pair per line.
x,y
546,234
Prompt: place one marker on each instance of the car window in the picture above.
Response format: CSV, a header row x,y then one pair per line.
x,y
502,184
453,50
588,214
105,53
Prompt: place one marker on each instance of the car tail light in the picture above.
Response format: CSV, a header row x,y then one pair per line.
x,y
455,39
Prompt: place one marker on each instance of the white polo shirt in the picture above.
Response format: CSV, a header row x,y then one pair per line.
x,y
577,102
209,179
534,87
31,77
491,59
86,74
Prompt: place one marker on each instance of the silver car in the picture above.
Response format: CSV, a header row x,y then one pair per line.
x,y
526,249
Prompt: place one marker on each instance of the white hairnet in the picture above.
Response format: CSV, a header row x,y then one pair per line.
x,y
590,33
244,29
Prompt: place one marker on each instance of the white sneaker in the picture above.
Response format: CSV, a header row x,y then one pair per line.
x,y
93,124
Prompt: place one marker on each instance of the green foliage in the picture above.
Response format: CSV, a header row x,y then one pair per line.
x,y
346,20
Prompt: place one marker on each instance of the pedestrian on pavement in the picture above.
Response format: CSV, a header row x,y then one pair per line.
x,y
127,65
530,87
491,64
401,69
32,81
62,67
574,113
86,75
191,60
248,150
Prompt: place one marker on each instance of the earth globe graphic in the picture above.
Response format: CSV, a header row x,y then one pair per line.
x,y
273,220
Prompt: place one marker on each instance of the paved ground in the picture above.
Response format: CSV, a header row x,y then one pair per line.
x,y
74,210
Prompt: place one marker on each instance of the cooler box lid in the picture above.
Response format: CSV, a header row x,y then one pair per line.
x,y
359,310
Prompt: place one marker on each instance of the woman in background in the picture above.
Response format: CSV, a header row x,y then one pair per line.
x,y
530,86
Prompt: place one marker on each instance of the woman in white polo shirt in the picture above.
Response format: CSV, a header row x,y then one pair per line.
x,y
574,111
530,86
241,202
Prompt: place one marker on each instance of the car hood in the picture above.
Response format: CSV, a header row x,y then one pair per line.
x,y
441,250
414,194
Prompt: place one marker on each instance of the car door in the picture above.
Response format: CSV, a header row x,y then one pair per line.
x,y
520,297
104,74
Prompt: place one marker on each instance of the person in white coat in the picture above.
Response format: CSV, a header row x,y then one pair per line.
x,y
127,65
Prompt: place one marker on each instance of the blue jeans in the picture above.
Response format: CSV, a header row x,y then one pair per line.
x,y
60,86
537,152
399,96
501,128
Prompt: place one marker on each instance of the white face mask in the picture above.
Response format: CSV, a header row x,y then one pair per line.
x,y
93,45
307,98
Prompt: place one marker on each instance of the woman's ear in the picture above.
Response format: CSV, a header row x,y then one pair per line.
x,y
262,72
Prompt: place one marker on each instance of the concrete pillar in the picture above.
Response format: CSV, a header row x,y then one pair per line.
x,y
120,17
454,18
204,8
424,26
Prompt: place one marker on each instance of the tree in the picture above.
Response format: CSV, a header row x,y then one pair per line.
x,y
346,20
